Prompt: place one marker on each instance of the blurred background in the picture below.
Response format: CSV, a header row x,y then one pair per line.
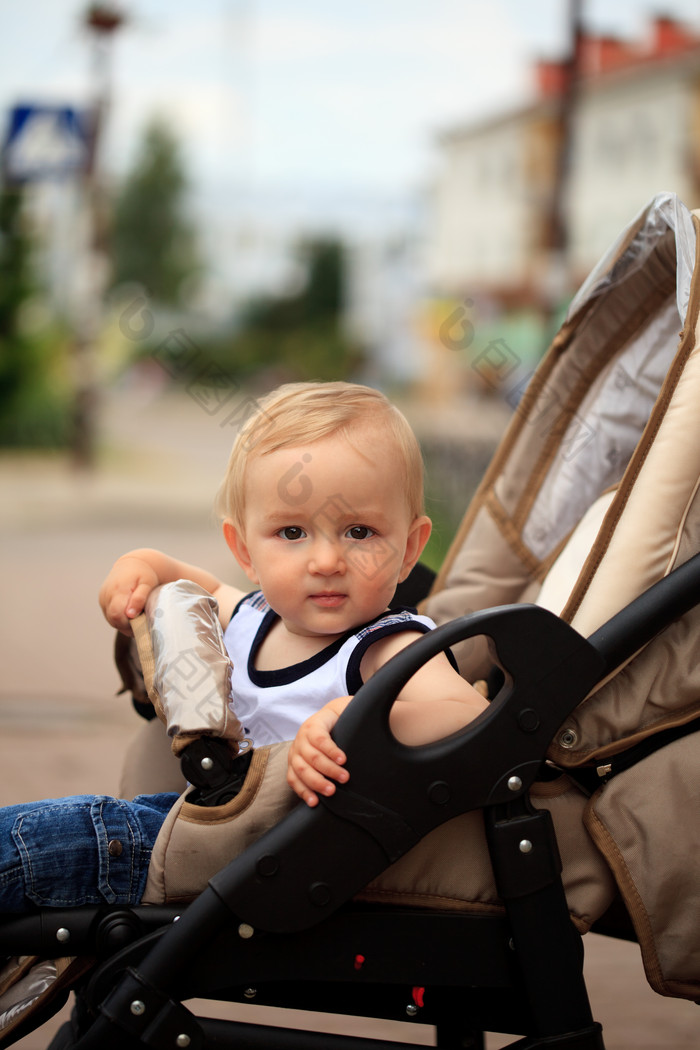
x,y
200,202
206,203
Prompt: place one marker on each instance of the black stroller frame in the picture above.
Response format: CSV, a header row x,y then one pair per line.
x,y
278,925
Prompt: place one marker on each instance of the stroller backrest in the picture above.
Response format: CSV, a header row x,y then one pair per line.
x,y
591,496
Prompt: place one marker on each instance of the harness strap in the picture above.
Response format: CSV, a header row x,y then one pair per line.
x,y
591,778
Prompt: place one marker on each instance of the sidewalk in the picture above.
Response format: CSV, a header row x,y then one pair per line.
x,y
63,730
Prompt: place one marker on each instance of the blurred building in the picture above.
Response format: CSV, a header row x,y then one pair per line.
x,y
634,132
384,284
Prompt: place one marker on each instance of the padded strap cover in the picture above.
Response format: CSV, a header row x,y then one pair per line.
x,y
186,668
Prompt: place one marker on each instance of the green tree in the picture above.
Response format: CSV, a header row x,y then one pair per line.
x,y
318,302
16,282
300,336
34,404
153,243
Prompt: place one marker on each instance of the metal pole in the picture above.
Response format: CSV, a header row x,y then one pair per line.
x,y
556,242
102,20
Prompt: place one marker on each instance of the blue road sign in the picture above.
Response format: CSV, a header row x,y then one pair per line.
x,y
45,142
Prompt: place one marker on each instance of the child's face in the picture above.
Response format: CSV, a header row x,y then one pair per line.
x,y
327,533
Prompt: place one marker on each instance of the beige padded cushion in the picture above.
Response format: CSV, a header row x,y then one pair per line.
x,y
197,841
448,869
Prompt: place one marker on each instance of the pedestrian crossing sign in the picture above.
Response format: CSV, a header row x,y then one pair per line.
x,y
45,142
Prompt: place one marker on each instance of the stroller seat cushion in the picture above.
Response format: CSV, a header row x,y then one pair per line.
x,y
448,869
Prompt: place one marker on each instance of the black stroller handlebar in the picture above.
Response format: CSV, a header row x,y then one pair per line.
x,y
542,658
649,614
550,668
521,637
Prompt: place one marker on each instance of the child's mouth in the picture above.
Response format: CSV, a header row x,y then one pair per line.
x,y
328,601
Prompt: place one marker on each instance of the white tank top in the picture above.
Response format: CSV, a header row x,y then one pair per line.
x,y
271,705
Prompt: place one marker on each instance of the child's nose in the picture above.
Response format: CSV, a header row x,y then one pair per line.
x,y
326,558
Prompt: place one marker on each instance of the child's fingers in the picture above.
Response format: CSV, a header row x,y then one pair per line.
x,y
329,764
308,787
315,739
137,599
300,788
115,613
311,779
317,771
315,760
123,604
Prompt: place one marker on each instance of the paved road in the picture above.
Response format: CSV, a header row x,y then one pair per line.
x,y
62,730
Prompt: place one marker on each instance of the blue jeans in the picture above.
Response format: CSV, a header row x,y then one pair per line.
x,y
88,849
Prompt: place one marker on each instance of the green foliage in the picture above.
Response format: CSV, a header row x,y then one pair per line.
x,y
321,352
34,410
38,414
16,283
445,523
153,244
300,336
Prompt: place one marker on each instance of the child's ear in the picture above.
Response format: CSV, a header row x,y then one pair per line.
x,y
418,536
237,546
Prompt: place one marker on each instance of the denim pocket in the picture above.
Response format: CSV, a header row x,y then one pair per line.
x,y
89,849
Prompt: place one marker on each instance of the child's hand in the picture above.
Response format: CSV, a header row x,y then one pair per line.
x,y
315,760
123,594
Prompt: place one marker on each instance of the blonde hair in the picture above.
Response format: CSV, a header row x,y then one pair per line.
x,y
300,413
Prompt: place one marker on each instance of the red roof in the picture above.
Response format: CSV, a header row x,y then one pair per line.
x,y
600,55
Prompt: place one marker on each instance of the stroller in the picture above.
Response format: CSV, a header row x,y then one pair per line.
x,y
450,884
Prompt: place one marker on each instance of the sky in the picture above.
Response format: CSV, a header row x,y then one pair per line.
x,y
306,107
314,94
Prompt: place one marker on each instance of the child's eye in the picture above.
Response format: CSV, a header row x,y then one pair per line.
x,y
291,532
359,532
